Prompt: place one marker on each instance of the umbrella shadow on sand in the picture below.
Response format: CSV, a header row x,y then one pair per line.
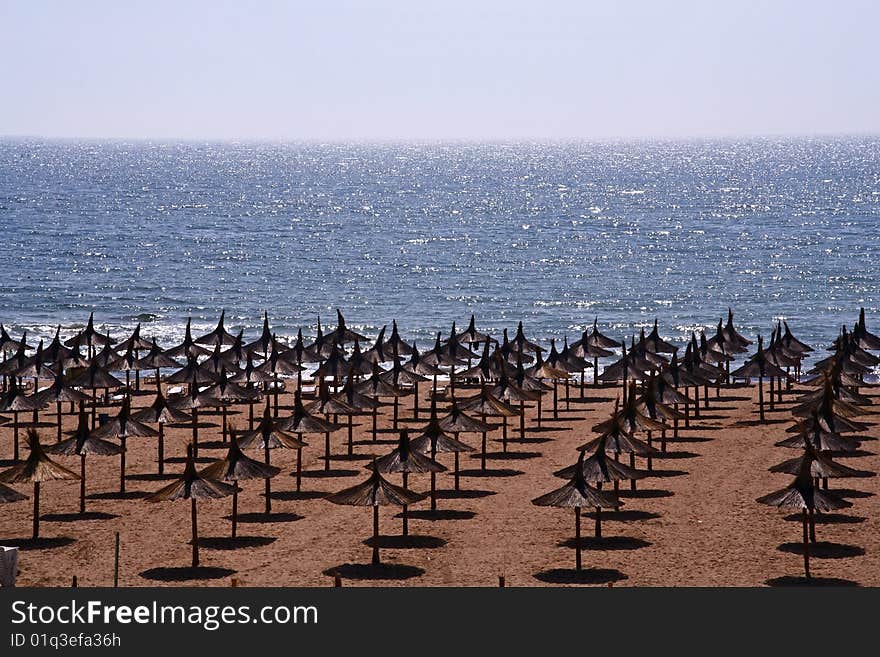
x,y
75,517
824,550
584,576
408,542
374,571
606,543
441,514
258,517
489,472
48,543
828,519
792,580
185,573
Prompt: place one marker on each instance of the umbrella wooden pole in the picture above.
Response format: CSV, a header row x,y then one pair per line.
x,y
583,381
705,395
396,407
806,546
522,421
224,430
266,457
326,451
375,423
555,399
539,410
483,453
158,381
595,371
376,535
251,415
160,449
812,526
650,460
37,510
15,453
455,476
598,522
405,507
298,468
94,405
195,537
504,431
82,483
433,479
577,538
122,465
415,400
58,417
771,392
195,432
632,464
696,402
761,398
234,509
687,414
567,394
351,432
663,441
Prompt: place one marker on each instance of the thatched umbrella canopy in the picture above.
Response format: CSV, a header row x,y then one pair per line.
x,y
269,435
456,422
471,335
510,393
406,460
89,337
375,387
192,401
58,393
864,338
486,405
417,365
35,368
544,370
599,469
192,486
803,495
820,439
127,362
380,352
263,344
521,343
56,351
9,495
827,400
135,341
509,351
94,377
616,441
278,366
759,366
188,348
106,357
9,344
235,466
327,405
231,393
657,344
156,359
14,401
578,494
376,491
36,469
821,465
342,334
488,368
569,361
161,413
302,422
630,418
722,342
732,335
395,343
219,335
84,443
586,349
192,370
434,440
122,427
15,362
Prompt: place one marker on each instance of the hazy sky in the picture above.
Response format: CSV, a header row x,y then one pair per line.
x,y
377,69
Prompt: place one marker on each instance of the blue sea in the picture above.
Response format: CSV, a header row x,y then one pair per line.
x,y
554,234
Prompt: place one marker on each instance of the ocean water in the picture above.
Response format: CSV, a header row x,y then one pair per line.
x,y
553,234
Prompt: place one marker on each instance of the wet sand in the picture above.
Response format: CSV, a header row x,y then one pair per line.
x,y
694,523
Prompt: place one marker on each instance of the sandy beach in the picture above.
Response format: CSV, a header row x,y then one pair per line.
x,y
695,522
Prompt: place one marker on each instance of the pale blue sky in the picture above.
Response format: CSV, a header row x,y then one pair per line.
x,y
435,70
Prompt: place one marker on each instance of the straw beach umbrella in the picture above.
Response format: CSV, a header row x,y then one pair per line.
x,y
160,413
578,494
434,440
219,335
486,405
302,422
59,393
329,405
235,466
84,443
192,401
156,359
89,337
188,348
95,377
268,436
192,486
376,491
14,401
599,469
342,334
759,366
36,469
405,460
802,495
123,426
456,422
